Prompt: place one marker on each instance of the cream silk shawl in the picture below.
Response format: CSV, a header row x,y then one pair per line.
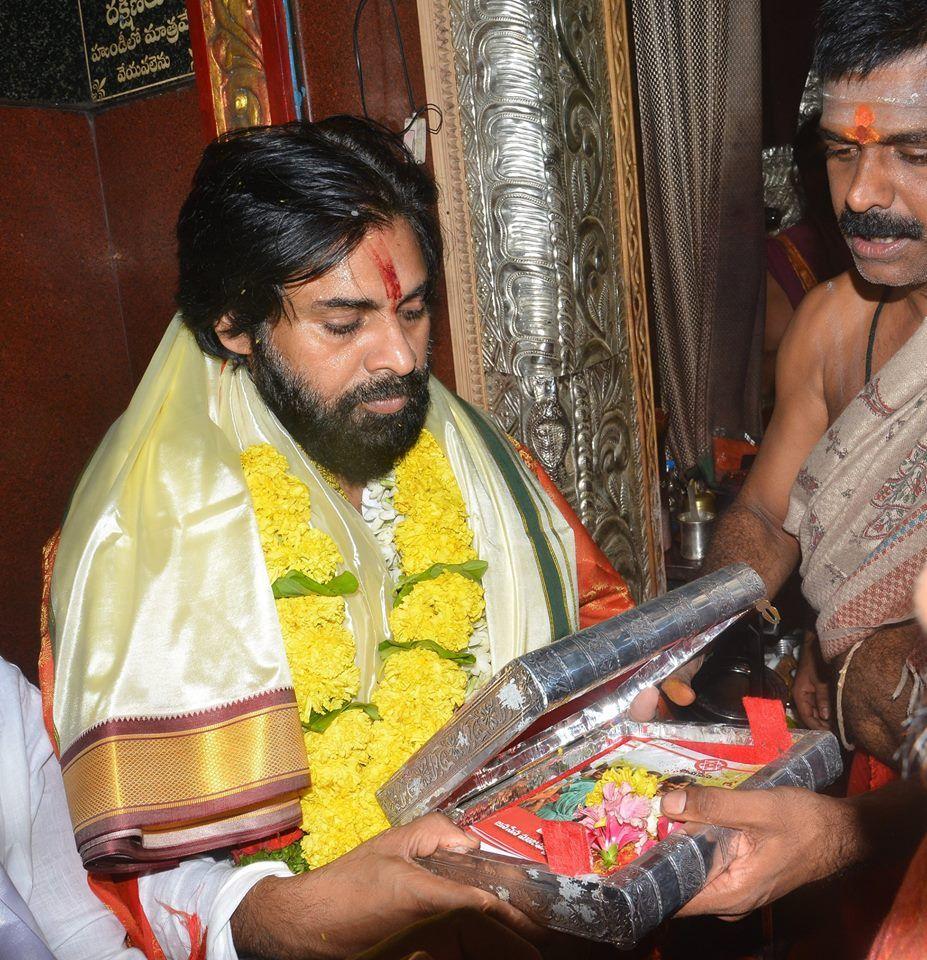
x,y
859,505
173,699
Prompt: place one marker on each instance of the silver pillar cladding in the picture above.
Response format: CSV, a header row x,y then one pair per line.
x,y
536,122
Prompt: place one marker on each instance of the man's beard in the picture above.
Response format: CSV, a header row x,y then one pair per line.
x,y
354,444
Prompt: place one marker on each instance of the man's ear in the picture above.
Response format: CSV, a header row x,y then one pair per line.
x,y
240,343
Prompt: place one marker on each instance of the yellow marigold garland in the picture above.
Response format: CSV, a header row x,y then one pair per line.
x,y
282,508
340,810
321,652
418,693
434,526
444,610
418,690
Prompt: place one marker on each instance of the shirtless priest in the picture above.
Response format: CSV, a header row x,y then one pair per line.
x,y
295,553
841,479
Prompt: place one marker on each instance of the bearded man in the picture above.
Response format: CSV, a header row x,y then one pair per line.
x,y
840,479
294,540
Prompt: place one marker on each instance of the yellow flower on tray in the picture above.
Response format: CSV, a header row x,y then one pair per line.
x,y
641,781
443,610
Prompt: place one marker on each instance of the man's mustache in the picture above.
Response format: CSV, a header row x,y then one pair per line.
x,y
385,387
878,225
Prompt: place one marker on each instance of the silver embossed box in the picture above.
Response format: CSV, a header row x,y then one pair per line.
x,y
478,764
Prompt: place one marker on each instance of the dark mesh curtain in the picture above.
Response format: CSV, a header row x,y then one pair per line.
x,y
698,82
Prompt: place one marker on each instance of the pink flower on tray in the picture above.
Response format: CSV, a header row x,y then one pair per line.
x,y
665,827
616,843
646,845
629,807
618,826
621,803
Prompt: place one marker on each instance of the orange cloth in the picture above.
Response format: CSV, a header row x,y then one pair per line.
x,y
602,590
904,934
867,773
861,907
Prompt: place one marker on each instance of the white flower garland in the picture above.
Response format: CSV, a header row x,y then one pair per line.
x,y
379,511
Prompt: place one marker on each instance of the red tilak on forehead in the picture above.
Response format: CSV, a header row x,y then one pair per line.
x,y
388,275
863,133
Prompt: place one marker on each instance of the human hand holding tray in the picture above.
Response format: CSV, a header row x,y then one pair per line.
x,y
461,771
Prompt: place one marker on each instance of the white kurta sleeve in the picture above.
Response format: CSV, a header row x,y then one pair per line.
x,y
38,851
36,841
201,887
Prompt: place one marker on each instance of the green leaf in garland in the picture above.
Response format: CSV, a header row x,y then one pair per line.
x,y
291,855
389,647
370,709
471,569
296,584
320,722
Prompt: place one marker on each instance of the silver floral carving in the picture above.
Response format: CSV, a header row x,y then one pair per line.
x,y
535,113
780,185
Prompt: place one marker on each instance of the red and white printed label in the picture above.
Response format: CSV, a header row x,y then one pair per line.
x,y
709,765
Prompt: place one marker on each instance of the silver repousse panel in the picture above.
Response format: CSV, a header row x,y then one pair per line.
x,y
780,185
535,111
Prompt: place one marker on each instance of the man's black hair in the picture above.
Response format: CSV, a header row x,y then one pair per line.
x,y
855,37
271,206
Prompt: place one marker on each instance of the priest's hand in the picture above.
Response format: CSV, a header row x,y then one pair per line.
x,y
363,897
788,837
677,687
810,691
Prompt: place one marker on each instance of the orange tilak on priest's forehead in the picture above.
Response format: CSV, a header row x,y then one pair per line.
x,y
863,130
869,109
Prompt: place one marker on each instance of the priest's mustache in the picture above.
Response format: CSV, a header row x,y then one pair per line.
x,y
879,225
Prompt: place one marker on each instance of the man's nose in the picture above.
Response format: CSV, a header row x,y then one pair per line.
x,y
871,185
391,349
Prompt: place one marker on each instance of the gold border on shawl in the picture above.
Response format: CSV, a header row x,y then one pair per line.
x,y
151,773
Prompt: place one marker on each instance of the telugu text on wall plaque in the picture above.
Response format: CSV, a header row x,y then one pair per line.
x,y
133,45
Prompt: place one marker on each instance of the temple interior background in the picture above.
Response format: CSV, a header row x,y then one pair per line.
x,y
94,174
